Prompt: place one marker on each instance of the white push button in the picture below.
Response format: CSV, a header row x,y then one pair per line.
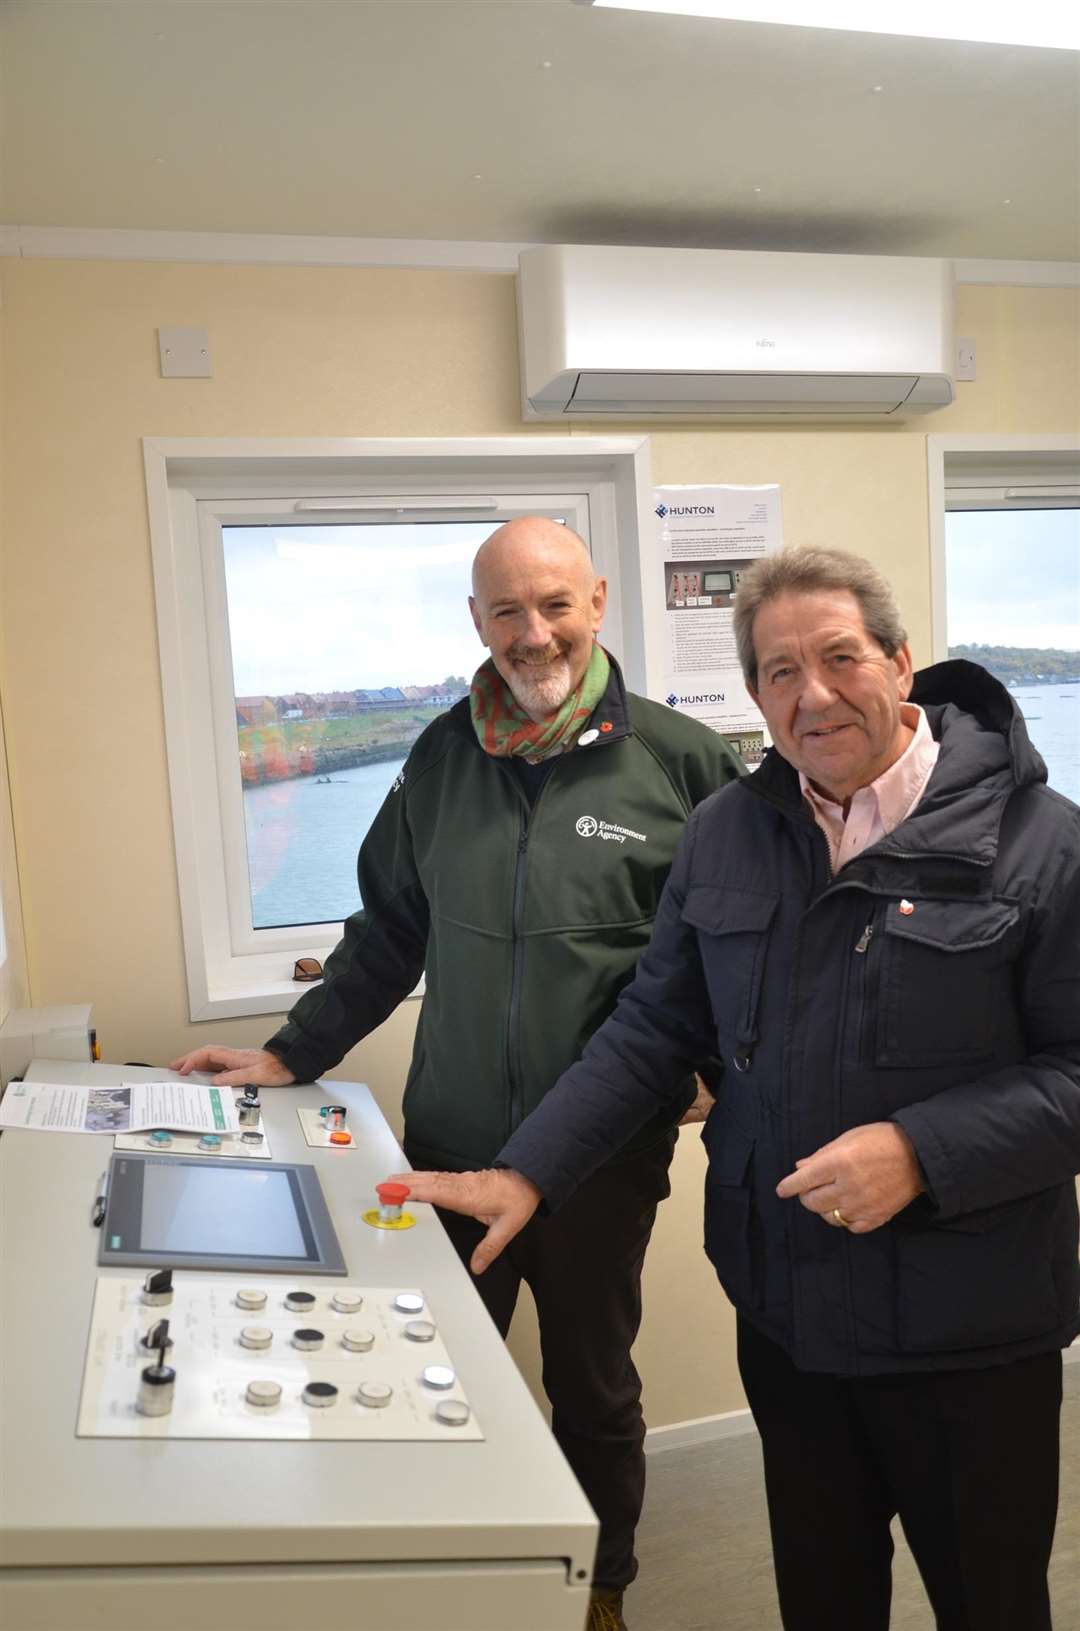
x,y
347,1302
256,1336
409,1302
438,1376
452,1412
263,1394
251,1300
420,1331
358,1342
376,1395
156,1386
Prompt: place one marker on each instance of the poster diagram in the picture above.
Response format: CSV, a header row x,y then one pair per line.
x,y
708,536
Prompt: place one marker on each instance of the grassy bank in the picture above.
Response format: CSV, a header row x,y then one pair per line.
x,y
316,747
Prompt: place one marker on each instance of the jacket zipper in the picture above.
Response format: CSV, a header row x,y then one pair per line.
x,y
513,1027
513,1037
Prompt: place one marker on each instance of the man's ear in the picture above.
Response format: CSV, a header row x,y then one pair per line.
x,y
905,675
478,622
599,603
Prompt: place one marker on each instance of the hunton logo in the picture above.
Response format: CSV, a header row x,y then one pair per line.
x,y
692,509
704,696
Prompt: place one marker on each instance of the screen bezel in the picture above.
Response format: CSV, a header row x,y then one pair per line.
x,y
128,1173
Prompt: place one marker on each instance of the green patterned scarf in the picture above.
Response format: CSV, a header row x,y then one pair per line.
x,y
504,728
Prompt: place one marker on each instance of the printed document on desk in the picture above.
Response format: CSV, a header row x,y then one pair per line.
x,y
180,1106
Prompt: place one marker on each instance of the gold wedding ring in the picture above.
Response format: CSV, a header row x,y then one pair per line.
x,y
839,1218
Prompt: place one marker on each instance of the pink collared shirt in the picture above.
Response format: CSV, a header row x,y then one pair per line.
x,y
877,809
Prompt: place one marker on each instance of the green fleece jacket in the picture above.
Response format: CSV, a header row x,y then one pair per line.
x,y
525,921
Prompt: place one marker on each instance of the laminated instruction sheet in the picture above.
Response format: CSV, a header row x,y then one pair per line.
x,y
180,1106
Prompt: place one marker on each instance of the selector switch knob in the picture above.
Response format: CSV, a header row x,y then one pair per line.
x,y
250,1299
157,1288
263,1394
347,1302
256,1336
376,1395
156,1340
248,1107
320,1395
300,1302
307,1339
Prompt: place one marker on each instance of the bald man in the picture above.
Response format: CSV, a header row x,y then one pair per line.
x,y
517,863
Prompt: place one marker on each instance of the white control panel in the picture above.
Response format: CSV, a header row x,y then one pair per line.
x,y
268,1358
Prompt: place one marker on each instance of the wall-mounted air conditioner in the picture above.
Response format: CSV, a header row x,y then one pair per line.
x,y
612,333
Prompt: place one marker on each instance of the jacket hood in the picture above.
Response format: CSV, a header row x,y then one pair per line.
x,y
957,688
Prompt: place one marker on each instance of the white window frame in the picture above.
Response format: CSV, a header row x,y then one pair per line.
x,y
991,472
194,486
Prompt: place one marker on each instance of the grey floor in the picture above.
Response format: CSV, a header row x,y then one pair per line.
x,y
703,1544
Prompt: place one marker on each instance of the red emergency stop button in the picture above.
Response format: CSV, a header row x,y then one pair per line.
x,y
392,1194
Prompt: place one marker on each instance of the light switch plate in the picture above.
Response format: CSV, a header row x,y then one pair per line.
x,y
185,353
965,358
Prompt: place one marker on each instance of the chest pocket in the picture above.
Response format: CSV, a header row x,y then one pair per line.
x,y
733,927
946,980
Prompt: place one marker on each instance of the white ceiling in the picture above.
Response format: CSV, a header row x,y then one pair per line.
x,y
532,120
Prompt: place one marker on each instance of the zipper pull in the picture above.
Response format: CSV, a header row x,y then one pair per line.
x,y
863,942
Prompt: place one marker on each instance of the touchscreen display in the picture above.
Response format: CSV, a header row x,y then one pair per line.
x,y
219,1210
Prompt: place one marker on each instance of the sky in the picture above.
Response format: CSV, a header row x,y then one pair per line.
x,y
1013,578
315,608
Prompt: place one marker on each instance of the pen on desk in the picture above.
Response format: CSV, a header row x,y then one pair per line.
x,y
97,1215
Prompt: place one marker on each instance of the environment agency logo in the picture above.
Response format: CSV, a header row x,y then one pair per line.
x,y
609,831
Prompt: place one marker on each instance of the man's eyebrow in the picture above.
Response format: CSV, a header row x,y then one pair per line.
x,y
781,654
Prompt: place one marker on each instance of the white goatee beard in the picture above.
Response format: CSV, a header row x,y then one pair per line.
x,y
543,691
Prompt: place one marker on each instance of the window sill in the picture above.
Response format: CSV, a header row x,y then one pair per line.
x,y
231,996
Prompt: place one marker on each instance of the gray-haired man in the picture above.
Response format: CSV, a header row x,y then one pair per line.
x,y
877,932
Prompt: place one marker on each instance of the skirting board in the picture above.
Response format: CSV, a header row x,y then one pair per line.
x,y
685,1435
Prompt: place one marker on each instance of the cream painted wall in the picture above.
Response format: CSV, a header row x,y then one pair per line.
x,y
311,352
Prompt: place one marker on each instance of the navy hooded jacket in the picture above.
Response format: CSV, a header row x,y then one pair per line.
x,y
958,1019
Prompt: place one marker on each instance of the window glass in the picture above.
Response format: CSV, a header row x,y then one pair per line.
x,y
347,640
1013,581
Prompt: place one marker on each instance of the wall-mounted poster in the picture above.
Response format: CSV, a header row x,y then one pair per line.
x,y
708,536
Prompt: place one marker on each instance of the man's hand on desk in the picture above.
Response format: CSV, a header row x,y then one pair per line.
x,y
236,1066
501,1198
